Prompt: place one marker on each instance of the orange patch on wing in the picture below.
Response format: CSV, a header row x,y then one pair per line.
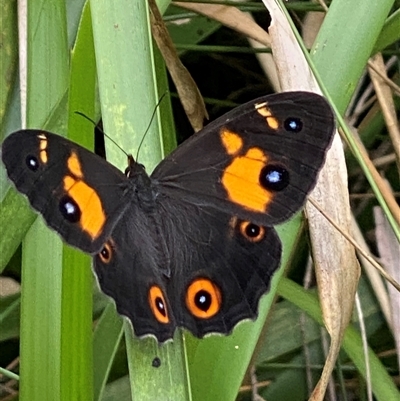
x,y
74,165
241,181
43,149
92,214
232,142
265,111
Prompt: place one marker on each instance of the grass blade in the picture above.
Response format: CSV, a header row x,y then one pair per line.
x,y
42,260
128,95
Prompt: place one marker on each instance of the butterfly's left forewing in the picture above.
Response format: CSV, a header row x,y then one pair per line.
x,y
79,194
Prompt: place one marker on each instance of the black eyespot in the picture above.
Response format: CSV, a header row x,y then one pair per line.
x,y
274,178
156,362
32,162
70,209
293,124
105,253
159,303
203,300
252,230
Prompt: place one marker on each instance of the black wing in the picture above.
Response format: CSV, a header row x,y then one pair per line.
x,y
258,162
79,194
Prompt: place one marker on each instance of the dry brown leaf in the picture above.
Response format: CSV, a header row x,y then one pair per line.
x,y
385,191
372,273
336,265
267,63
230,17
385,98
188,92
389,250
361,251
240,22
8,286
310,26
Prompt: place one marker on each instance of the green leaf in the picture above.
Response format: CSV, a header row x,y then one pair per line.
x,y
42,249
383,386
128,96
107,337
344,44
8,54
76,329
390,32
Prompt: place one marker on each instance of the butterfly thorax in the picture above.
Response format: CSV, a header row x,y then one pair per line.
x,y
142,184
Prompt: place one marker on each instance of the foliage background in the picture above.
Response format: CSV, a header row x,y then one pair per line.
x,y
57,361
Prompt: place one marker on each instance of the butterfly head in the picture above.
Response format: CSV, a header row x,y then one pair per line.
x,y
134,168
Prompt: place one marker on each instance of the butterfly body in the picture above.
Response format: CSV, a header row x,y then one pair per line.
x,y
193,244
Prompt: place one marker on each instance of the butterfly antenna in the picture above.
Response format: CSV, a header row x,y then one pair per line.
x,y
148,127
107,136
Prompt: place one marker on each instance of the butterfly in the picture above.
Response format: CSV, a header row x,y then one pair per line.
x,y
192,245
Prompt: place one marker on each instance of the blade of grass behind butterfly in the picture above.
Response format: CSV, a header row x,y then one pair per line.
x,y
14,210
47,77
128,96
340,79
8,55
371,23
331,47
15,214
390,32
382,384
77,281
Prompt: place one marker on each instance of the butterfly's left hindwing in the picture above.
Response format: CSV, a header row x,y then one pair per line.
x,y
129,270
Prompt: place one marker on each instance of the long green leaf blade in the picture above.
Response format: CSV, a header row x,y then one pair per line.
x,y
76,329
47,78
128,95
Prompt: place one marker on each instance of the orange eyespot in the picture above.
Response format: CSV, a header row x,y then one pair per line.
x,y
106,253
158,305
252,232
203,298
